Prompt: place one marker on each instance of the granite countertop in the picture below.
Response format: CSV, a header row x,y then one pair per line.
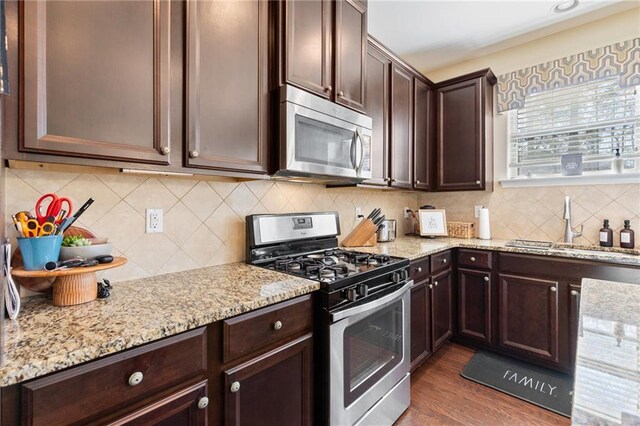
x,y
414,247
46,338
607,379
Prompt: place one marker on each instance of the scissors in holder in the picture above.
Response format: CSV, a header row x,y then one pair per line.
x,y
31,227
53,208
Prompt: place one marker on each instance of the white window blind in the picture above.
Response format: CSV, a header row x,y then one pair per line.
x,y
592,118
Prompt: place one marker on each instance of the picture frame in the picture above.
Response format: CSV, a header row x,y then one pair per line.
x,y
433,223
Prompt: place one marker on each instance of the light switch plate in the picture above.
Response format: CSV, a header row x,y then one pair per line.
x,y
358,212
154,221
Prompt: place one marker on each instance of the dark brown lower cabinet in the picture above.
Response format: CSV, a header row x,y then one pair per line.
x,y
528,316
441,314
474,305
420,323
272,389
574,319
179,408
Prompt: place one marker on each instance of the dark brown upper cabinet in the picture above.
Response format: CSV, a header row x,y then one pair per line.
x,y
321,46
464,127
227,85
401,127
350,53
423,134
305,51
94,80
377,96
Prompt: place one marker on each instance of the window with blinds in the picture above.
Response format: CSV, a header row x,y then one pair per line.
x,y
592,118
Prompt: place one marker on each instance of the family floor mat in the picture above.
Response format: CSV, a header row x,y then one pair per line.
x,y
540,386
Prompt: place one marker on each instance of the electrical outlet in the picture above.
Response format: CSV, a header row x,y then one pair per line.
x,y
407,212
358,212
153,221
476,213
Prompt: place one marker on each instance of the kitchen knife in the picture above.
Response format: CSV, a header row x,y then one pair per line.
x,y
379,220
375,213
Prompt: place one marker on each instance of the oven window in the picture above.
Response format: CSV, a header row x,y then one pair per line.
x,y
322,143
373,347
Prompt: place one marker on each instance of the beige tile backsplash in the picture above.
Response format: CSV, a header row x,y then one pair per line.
x,y
203,219
536,213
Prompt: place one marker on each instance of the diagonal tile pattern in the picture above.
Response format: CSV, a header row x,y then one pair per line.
x,y
204,219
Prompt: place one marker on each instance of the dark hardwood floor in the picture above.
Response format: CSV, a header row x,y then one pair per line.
x,y
440,396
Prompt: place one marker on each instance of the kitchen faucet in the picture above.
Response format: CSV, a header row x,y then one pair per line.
x,y
569,233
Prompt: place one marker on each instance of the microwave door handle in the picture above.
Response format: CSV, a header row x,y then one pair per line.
x,y
337,316
353,152
361,162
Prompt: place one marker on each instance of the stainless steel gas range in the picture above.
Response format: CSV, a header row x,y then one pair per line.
x,y
364,313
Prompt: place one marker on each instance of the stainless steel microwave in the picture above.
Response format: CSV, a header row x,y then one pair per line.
x,y
320,139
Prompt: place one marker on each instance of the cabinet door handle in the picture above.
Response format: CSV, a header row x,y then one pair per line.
x,y
477,182
553,289
136,378
435,283
341,93
444,260
486,279
393,181
277,325
203,402
235,387
193,154
473,259
430,286
328,89
419,269
387,179
417,182
575,293
165,150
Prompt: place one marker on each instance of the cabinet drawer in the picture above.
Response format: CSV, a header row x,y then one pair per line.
x,y
440,261
420,269
88,392
476,259
250,332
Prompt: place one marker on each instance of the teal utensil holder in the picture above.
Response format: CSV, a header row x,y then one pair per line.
x,y
37,251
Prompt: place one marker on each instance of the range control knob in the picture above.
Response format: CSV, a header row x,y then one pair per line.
x,y
404,274
351,294
363,290
395,277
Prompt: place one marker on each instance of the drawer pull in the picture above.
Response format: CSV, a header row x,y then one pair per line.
x,y
473,259
553,289
235,387
444,260
165,150
203,402
277,325
136,378
419,269
574,293
486,278
435,283
430,286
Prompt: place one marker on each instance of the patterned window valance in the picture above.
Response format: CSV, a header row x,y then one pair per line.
x,y
621,59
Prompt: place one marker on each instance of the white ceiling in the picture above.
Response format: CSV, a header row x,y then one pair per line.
x,y
432,34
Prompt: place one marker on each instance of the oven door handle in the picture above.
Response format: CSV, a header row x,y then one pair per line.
x,y
337,316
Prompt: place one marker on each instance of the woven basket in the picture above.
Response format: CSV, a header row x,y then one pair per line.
x,y
461,229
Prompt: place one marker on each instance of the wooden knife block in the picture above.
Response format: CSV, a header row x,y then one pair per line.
x,y
363,235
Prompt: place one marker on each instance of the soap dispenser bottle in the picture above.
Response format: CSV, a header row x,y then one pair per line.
x,y
627,237
606,235
618,162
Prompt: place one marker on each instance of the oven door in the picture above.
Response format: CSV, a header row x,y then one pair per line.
x,y
369,354
317,144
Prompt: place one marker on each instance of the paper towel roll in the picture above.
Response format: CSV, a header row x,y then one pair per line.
x,y
484,230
